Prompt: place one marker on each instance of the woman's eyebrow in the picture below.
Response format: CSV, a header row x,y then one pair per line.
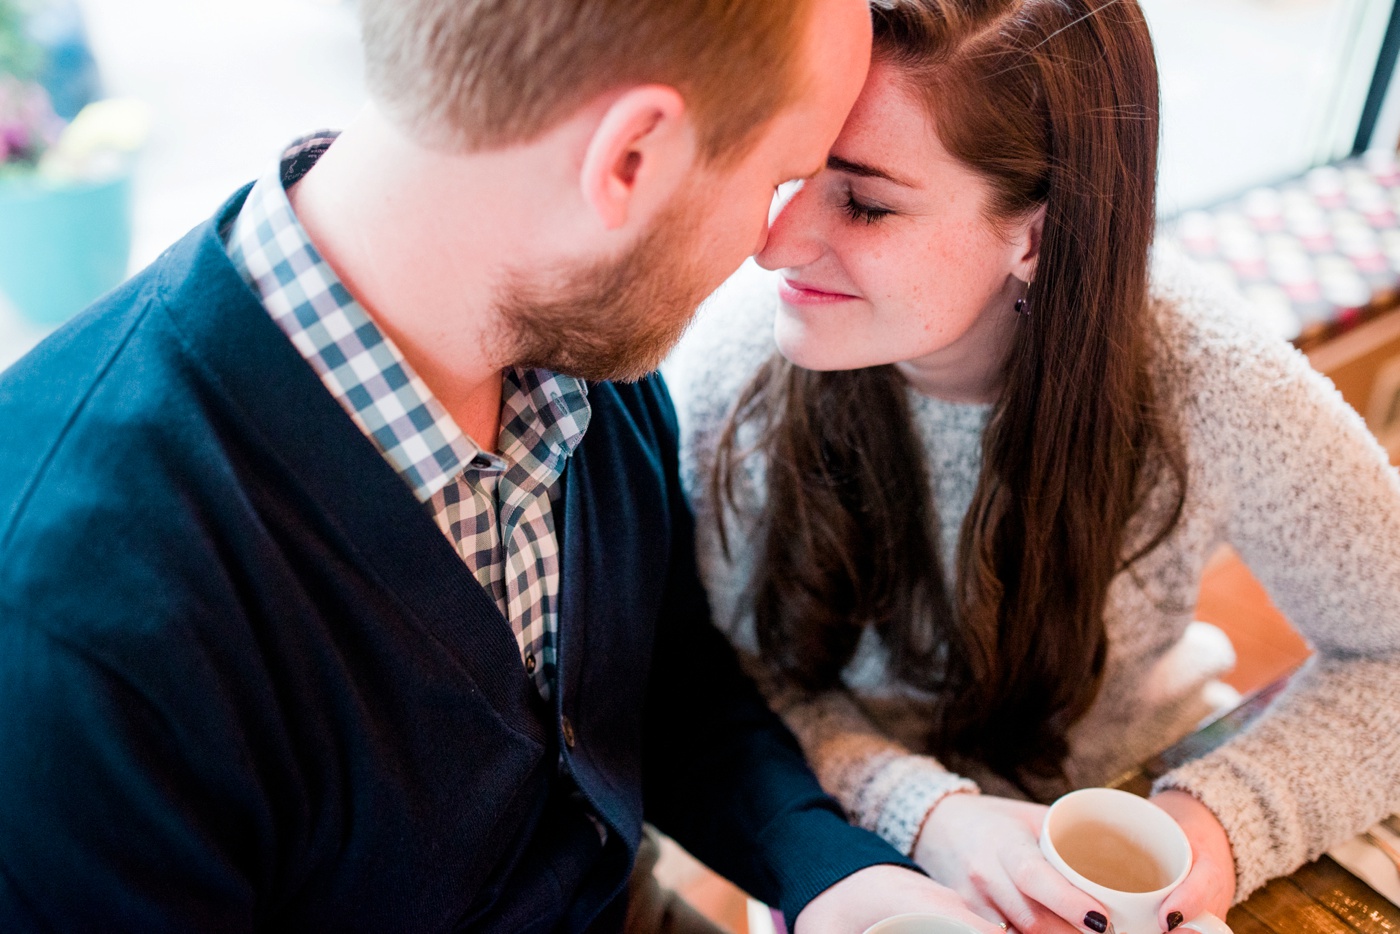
x,y
865,170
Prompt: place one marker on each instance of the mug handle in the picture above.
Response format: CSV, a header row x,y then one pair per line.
x,y
1207,924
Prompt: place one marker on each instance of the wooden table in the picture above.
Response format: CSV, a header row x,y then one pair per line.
x,y
1321,897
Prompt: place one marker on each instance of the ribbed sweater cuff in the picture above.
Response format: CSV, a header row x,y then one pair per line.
x,y
909,788
812,850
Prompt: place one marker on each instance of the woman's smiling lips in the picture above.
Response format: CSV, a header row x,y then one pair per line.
x,y
797,293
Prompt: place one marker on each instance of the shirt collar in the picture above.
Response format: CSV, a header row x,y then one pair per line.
x,y
361,366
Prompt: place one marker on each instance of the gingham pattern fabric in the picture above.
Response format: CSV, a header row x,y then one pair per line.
x,y
497,511
502,522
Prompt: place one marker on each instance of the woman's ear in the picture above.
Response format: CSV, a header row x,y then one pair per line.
x,y
640,151
1027,244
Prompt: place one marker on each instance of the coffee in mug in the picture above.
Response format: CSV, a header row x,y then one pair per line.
x,y
1102,853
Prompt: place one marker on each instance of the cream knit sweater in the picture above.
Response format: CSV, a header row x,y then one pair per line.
x,y
1280,468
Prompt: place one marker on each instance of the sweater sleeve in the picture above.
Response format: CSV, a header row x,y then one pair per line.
x,y
882,785
1312,504
104,815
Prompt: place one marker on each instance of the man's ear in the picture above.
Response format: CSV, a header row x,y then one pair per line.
x,y
1028,236
639,152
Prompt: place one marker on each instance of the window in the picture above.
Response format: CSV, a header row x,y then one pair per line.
x,y
1255,91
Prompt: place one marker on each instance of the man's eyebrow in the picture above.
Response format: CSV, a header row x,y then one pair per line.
x,y
865,170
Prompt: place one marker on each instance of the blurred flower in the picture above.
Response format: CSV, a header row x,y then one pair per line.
x,y
28,124
102,137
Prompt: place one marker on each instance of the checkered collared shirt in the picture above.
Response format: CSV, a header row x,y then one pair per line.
x,y
496,510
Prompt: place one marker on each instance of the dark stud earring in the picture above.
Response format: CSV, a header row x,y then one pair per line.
x,y
1022,306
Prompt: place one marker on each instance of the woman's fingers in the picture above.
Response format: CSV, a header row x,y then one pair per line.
x,y
978,903
1021,912
1037,880
983,909
1210,886
1200,892
987,850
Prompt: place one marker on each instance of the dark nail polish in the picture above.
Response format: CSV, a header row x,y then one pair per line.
x,y
1096,922
1174,920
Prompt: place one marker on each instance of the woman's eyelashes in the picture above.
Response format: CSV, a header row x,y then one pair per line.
x,y
858,210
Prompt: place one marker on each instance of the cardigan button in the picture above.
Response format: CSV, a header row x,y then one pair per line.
x,y
530,663
568,729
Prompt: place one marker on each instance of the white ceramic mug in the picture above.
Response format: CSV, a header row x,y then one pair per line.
x,y
1136,851
920,924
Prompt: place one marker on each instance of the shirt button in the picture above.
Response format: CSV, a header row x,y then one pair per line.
x,y
568,730
530,664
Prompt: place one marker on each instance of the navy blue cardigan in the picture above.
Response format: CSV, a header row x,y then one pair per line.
x,y
247,684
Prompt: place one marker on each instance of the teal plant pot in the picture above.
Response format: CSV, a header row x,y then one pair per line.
x,y
62,244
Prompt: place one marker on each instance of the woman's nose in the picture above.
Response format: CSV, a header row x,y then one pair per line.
x,y
794,232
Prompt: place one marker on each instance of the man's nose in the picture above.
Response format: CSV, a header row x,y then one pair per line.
x,y
793,237
761,244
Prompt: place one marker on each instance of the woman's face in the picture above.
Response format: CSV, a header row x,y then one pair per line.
x,y
887,255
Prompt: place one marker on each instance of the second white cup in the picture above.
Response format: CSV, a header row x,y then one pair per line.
x,y
920,924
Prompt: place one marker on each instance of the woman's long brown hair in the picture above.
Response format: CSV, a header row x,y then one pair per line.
x,y
1055,103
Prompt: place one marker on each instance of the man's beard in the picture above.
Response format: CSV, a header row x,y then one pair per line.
x,y
611,320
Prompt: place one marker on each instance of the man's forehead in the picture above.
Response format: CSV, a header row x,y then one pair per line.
x,y
836,51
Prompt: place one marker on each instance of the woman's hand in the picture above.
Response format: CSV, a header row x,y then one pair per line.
x,y
1210,886
987,850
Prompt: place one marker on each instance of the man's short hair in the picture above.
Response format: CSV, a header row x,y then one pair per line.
x,y
480,74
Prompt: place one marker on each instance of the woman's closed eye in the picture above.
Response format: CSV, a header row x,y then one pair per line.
x,y
858,210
